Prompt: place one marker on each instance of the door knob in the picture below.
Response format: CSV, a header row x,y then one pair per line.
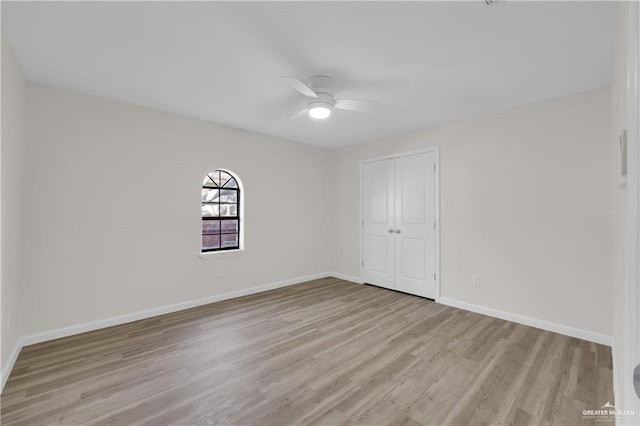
x,y
391,231
397,231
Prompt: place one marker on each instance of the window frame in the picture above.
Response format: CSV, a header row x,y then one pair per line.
x,y
238,217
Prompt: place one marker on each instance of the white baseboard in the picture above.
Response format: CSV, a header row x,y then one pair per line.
x,y
6,370
579,333
351,278
123,319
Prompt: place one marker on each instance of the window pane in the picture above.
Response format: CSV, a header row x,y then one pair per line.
x,y
224,177
210,227
228,210
231,183
210,242
207,181
228,196
229,226
210,210
215,176
210,194
229,240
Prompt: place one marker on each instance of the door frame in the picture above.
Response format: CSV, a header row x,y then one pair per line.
x,y
436,151
630,347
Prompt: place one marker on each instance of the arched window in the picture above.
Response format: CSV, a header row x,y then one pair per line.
x,y
220,211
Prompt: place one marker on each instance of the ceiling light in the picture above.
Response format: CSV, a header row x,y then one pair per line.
x,y
319,111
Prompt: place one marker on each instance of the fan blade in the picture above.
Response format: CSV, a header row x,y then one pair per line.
x,y
356,104
299,113
300,87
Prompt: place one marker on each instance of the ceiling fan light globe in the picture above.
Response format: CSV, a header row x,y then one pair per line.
x,y
319,112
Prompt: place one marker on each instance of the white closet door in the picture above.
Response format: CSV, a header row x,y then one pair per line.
x,y
378,223
415,225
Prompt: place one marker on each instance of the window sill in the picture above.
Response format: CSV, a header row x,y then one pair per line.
x,y
221,254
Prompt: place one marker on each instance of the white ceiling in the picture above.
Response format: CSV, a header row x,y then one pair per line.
x,y
427,62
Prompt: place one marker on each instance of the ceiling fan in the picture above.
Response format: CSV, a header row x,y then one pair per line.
x,y
320,101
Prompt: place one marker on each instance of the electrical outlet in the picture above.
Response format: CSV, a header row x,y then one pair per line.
x,y
475,281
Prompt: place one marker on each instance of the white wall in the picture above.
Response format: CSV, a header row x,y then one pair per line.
x,y
13,109
113,209
536,181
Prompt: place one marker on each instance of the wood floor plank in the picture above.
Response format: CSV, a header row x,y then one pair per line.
x,y
326,352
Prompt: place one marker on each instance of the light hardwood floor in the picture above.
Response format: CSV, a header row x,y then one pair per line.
x,y
323,352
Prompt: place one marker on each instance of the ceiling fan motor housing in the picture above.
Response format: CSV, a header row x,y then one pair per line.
x,y
321,83
323,100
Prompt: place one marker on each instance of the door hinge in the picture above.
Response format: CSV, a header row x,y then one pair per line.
x,y
434,225
434,276
434,167
362,263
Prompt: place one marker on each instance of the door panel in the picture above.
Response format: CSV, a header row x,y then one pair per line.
x,y
378,211
413,254
377,254
415,224
379,202
412,184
